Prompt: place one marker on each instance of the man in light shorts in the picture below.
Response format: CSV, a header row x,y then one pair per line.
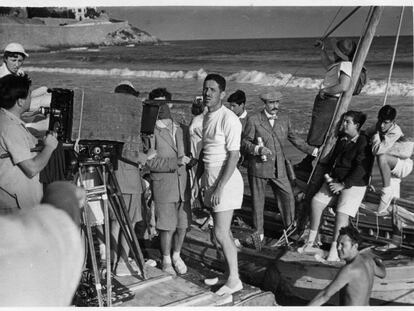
x,y
392,168
350,167
221,181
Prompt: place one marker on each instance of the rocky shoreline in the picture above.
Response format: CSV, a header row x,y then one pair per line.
x,y
51,33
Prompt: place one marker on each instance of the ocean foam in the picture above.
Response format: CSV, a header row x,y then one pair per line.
x,y
373,87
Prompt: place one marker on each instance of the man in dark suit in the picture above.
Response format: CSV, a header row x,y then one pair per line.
x,y
267,161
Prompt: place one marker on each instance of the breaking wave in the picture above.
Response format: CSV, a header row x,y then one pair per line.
x,y
373,87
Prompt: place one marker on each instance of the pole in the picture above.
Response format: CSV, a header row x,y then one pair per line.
x,y
357,64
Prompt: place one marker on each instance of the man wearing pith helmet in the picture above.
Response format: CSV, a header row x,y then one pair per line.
x,y
265,136
13,58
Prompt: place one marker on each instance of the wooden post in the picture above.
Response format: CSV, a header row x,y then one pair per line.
x,y
357,64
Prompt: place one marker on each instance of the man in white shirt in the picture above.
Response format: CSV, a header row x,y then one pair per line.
x,y
222,182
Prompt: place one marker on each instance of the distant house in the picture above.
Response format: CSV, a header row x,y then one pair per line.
x,y
82,13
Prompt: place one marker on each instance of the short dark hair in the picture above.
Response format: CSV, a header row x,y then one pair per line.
x,y
126,89
197,108
218,79
357,116
12,54
159,92
237,97
12,88
387,112
352,232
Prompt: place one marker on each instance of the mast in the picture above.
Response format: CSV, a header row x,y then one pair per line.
x,y
357,64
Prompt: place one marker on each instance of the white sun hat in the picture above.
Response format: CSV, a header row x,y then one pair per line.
x,y
15,48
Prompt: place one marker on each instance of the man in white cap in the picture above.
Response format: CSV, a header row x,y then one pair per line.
x,y
13,58
264,136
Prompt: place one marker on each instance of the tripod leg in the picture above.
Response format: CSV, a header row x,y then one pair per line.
x,y
108,252
118,206
98,285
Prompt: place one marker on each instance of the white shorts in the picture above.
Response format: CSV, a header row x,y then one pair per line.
x,y
347,202
403,168
232,196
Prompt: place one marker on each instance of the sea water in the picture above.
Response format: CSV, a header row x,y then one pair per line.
x,y
253,65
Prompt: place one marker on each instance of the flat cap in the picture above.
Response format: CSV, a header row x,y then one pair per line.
x,y
271,96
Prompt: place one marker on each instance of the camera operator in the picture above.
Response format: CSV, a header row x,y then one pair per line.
x,y
19,179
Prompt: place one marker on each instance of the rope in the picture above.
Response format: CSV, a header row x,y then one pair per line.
x,y
76,146
393,56
333,19
340,23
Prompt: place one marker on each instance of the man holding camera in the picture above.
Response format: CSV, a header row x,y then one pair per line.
x,y
19,165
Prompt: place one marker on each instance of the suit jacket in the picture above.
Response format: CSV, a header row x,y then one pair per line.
x,y
258,125
170,182
352,161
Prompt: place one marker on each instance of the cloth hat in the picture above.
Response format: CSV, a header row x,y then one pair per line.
x,y
16,48
344,48
271,96
126,87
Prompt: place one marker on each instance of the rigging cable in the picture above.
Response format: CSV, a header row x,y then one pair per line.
x,y
307,58
393,56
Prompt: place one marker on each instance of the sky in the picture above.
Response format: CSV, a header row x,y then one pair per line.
x,y
232,22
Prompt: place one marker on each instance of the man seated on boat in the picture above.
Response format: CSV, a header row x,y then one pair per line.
x,y
265,134
393,166
20,187
355,280
337,80
350,167
237,104
170,188
221,180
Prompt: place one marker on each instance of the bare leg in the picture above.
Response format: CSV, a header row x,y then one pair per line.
x,y
342,220
316,214
165,241
222,222
178,239
386,164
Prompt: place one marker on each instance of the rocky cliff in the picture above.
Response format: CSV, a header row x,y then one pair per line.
x,y
44,34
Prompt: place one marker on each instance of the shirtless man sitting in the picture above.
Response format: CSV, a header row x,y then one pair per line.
x,y
356,278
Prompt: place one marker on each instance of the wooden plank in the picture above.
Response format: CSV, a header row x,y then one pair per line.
x,y
202,299
150,282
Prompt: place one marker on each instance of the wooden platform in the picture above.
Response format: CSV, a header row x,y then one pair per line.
x,y
162,289
253,266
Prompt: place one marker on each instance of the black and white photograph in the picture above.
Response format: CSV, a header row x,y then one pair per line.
x,y
192,154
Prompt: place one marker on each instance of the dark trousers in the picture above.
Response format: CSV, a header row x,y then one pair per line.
x,y
283,193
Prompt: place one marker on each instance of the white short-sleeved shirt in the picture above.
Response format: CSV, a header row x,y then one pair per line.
x,y
16,189
334,71
221,134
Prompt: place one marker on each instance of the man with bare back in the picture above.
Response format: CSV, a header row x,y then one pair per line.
x,y
356,278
